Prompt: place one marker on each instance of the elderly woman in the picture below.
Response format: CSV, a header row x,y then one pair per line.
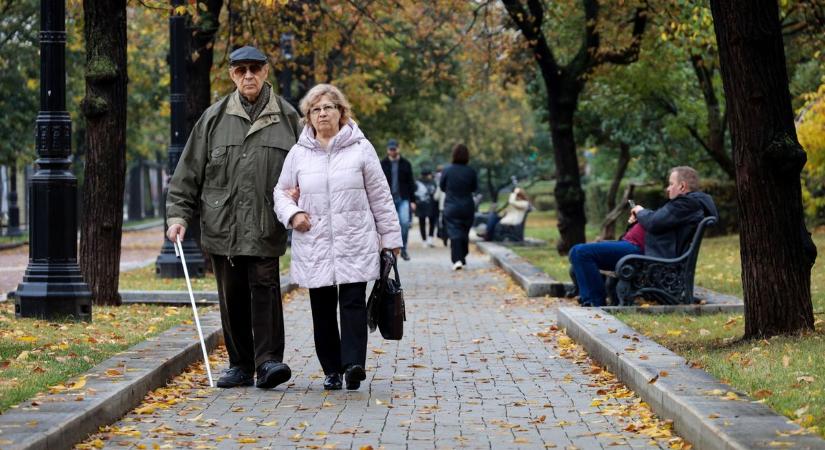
x,y
334,195
459,181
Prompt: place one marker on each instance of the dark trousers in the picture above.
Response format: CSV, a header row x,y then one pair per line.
x,y
587,259
336,352
459,249
422,225
249,291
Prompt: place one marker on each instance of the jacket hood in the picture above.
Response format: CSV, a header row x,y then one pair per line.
x,y
348,135
706,201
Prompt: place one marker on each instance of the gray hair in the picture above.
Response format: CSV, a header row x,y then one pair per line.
x,y
334,94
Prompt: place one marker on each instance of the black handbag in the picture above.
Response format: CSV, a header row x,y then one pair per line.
x,y
385,308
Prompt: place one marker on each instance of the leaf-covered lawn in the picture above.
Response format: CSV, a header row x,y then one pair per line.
x,y
36,354
787,373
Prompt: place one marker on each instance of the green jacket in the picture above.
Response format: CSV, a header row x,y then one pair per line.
x,y
227,172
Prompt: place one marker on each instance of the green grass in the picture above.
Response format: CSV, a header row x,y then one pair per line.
x,y
36,354
542,225
144,279
788,372
131,223
14,239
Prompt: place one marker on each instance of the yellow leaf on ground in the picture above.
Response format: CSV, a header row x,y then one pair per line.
x,y
247,440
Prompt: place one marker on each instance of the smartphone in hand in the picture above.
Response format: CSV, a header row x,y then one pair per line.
x,y
631,203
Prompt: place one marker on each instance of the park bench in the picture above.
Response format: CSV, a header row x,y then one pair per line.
x,y
514,233
668,281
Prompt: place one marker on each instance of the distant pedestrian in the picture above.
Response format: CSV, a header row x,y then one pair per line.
x,y
426,206
399,173
225,175
334,195
459,182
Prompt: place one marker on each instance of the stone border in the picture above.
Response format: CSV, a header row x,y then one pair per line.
x,y
533,280
60,420
678,392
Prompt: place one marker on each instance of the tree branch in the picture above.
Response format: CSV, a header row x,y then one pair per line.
x,y
630,53
530,26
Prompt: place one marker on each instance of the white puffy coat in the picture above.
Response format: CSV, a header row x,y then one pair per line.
x,y
350,207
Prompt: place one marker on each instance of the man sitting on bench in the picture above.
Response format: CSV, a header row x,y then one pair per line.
x,y
663,233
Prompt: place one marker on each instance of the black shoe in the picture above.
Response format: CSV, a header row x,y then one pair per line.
x,y
332,382
271,374
404,255
234,377
354,375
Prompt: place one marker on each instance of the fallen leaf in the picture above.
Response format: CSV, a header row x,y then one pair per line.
x,y
654,379
762,393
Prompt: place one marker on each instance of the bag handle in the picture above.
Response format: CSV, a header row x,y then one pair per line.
x,y
394,265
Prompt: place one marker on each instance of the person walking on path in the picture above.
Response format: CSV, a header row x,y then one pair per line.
x,y
399,173
426,206
227,170
664,233
334,195
459,182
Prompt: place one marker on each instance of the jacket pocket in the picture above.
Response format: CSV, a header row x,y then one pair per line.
x,y
215,216
216,166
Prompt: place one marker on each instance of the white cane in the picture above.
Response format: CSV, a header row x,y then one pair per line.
x,y
179,253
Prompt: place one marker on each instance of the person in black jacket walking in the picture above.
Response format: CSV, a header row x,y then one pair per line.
x,y
459,182
399,175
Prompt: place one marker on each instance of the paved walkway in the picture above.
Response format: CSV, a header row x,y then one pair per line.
x,y
474,370
138,248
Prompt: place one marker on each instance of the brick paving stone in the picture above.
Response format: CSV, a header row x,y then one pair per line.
x,y
469,373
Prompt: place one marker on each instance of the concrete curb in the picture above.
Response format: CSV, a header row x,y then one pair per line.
x,y
182,297
685,395
58,421
533,280
694,310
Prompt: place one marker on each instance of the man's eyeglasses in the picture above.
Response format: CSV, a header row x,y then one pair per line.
x,y
327,109
240,71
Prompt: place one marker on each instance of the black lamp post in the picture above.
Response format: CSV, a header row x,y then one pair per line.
x,y
53,286
168,265
14,209
285,75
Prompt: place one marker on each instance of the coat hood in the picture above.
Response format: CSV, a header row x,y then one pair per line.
x,y
708,207
348,135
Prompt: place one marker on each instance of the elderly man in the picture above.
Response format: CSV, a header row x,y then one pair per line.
x,y
399,175
227,172
664,233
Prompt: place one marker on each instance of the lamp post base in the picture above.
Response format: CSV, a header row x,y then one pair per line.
x,y
168,264
53,291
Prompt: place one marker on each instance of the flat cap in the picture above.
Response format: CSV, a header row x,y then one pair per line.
x,y
246,53
392,143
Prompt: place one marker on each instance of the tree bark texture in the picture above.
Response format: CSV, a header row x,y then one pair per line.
x,y
104,108
777,251
199,61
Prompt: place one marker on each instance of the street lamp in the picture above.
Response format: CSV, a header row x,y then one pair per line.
x,y
168,265
285,75
53,286
14,209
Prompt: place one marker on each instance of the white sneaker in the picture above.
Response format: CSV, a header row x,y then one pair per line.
x,y
429,242
457,265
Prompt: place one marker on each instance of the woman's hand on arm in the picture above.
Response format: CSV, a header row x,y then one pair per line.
x,y
300,222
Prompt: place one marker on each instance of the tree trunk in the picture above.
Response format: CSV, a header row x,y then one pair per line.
x,y
568,191
105,110
134,210
777,251
715,143
199,61
609,226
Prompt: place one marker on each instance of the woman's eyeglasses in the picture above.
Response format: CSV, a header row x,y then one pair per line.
x,y
328,108
240,71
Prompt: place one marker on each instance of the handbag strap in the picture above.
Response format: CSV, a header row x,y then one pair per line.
x,y
395,268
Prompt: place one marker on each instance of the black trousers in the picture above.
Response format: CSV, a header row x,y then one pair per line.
x,y
459,249
336,352
252,315
422,225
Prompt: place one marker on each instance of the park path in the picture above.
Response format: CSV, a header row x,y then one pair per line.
x,y
138,248
475,369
